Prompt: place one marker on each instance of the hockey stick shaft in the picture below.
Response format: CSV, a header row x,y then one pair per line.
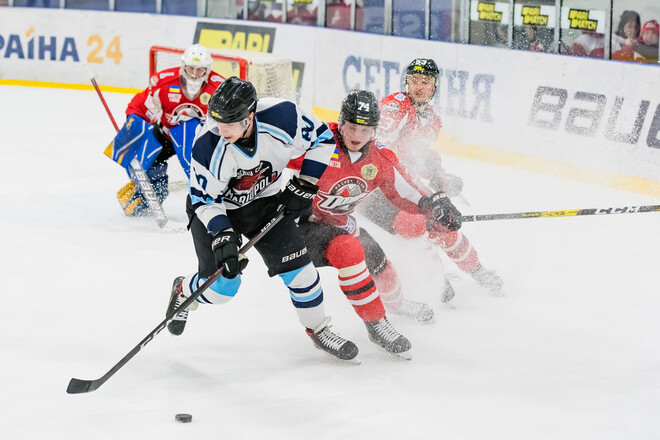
x,y
135,169
78,386
567,213
98,92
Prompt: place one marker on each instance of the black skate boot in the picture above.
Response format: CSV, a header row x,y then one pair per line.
x,y
415,310
382,333
178,323
324,339
488,279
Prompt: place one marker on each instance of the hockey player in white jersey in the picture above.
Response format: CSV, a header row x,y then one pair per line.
x,y
237,161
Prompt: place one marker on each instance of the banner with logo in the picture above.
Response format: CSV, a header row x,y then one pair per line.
x,y
591,114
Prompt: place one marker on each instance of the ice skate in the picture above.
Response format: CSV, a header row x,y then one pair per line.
x,y
324,339
488,279
178,323
382,333
413,309
449,293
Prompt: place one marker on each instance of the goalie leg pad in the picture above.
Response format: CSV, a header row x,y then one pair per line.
x,y
131,198
135,140
182,138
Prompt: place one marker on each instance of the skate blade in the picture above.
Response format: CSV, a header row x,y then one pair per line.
x,y
404,356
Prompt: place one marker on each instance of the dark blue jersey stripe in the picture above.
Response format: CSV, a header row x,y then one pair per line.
x,y
282,115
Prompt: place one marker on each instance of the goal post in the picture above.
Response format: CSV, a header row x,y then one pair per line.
x,y
271,75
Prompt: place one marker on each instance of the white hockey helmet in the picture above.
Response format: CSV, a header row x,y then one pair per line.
x,y
195,68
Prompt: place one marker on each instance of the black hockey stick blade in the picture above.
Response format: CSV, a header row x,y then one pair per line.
x,y
79,386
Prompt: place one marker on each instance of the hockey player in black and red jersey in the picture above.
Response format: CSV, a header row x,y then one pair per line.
x,y
359,166
237,161
410,127
161,122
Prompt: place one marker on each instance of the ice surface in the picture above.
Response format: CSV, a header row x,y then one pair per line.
x,y
570,352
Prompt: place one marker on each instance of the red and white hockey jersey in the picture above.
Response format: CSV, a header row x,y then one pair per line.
x,y
411,132
350,177
164,99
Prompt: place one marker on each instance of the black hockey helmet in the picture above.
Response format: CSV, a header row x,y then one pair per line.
x,y
423,66
233,100
360,107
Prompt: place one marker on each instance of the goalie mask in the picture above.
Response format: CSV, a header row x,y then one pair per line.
x,y
195,68
233,101
360,107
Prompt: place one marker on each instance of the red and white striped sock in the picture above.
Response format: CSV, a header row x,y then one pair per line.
x,y
347,255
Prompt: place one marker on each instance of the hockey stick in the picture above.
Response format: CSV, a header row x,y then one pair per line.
x,y
568,213
138,174
79,386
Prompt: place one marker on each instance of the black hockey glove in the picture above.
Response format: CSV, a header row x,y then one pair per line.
x,y
225,249
297,197
164,140
439,209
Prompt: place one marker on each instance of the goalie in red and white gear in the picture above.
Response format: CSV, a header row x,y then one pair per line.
x,y
359,166
410,127
161,122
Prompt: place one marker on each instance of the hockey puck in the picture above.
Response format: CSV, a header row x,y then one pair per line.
x,y
183,418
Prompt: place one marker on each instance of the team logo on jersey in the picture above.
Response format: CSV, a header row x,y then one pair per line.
x,y
391,106
204,98
343,196
185,111
369,171
248,184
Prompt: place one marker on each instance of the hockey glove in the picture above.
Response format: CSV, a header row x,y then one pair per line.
x,y
438,209
297,197
225,249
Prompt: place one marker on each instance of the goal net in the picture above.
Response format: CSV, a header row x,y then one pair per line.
x,y
271,74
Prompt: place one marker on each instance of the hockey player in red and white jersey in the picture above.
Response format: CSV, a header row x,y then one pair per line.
x,y
410,126
161,122
359,166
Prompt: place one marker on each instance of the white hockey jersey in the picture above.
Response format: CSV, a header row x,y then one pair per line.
x,y
225,176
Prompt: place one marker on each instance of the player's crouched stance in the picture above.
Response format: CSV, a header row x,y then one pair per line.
x,y
237,160
161,122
